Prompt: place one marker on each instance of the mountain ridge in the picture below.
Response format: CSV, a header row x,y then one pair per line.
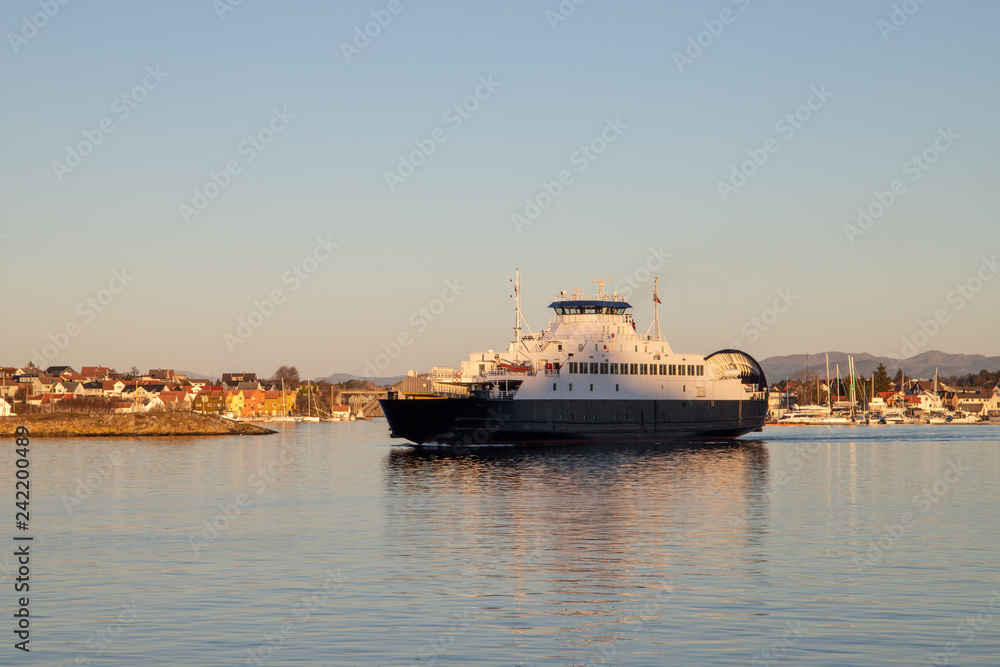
x,y
922,365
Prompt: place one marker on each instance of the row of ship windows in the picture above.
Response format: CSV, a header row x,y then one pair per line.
x,y
701,390
605,368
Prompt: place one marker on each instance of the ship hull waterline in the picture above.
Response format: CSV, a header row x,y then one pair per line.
x,y
485,421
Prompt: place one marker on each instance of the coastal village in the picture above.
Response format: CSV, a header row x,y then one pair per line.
x,y
237,395
245,396
908,400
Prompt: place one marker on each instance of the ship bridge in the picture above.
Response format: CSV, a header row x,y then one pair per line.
x,y
590,306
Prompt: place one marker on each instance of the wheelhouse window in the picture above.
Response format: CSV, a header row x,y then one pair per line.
x,y
672,369
690,370
604,368
680,369
663,369
572,367
633,369
642,369
593,368
614,369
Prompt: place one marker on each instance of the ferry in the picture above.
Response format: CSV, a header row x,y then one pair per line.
x,y
588,377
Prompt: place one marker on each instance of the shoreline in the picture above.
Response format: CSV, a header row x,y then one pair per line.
x,y
156,423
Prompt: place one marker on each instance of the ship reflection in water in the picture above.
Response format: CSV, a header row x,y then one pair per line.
x,y
610,541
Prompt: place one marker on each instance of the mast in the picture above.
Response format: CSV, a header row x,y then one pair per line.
x,y
902,389
829,399
805,384
656,308
850,370
517,314
838,388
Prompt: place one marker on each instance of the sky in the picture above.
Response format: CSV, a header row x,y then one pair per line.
x,y
351,186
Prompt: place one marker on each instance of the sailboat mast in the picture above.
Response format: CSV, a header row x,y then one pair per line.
x,y
850,370
829,399
838,388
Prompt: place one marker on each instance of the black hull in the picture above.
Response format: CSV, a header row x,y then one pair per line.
x,y
478,421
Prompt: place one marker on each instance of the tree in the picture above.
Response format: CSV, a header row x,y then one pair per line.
x,y
881,378
289,374
898,380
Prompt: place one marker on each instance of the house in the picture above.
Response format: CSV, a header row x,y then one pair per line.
x,y
67,387
46,400
113,387
891,399
93,388
930,402
142,391
175,400
992,406
278,404
340,412
161,374
42,384
9,387
6,409
234,403
123,406
911,403
59,371
210,402
234,379
253,402
972,399
95,372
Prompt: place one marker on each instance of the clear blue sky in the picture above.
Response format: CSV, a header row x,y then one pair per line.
x,y
679,131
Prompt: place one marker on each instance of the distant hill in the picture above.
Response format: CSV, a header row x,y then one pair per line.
x,y
337,378
920,366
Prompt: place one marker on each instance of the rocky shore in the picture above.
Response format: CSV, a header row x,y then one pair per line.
x,y
156,423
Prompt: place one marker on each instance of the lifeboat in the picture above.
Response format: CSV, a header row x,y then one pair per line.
x,y
513,368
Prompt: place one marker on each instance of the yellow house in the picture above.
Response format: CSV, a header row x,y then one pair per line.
x,y
273,406
234,403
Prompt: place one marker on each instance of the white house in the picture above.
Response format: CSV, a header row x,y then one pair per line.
x,y
930,402
991,409
5,408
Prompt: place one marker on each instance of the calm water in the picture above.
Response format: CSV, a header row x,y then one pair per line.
x,y
799,545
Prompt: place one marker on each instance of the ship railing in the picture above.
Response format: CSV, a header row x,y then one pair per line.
x,y
613,337
506,373
444,374
502,394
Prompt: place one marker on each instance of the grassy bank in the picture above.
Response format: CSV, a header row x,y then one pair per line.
x,y
70,425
